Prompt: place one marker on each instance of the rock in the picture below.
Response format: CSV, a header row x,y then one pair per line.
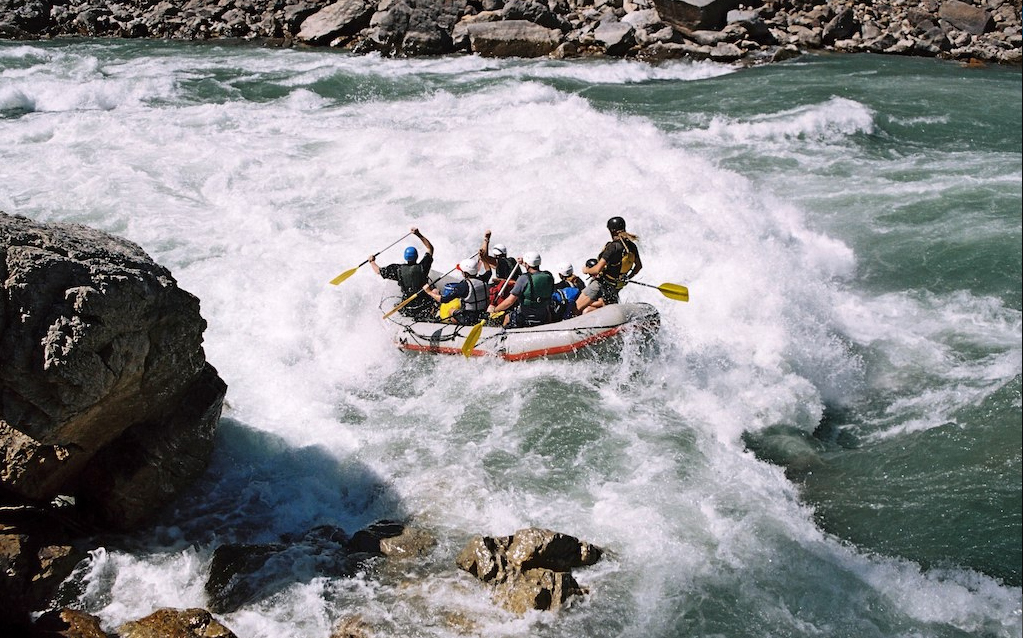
x,y
695,14
241,574
232,581
530,569
542,589
536,547
106,392
615,37
367,541
175,623
645,19
932,42
350,627
429,27
725,52
512,38
68,623
536,13
966,17
485,558
840,27
410,543
343,18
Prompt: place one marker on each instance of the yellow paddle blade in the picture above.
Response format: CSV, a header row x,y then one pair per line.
x,y
472,338
345,275
674,291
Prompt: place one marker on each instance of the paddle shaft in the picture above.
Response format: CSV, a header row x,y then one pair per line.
x,y
348,273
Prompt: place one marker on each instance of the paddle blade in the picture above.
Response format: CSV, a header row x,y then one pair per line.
x,y
345,275
674,291
472,338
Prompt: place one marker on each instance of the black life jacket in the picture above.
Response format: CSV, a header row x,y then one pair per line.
x,y
411,278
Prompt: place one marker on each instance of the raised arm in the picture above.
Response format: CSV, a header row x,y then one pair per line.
x,y
422,238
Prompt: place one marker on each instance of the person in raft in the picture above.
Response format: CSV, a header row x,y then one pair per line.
x,y
471,292
411,276
617,263
530,296
495,258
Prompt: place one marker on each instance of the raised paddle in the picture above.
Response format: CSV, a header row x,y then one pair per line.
x,y
348,273
477,330
671,291
409,300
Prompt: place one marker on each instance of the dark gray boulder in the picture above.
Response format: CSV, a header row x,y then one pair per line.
x,y
696,14
966,17
105,391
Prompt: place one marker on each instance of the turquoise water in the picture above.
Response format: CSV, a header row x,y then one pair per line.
x,y
826,440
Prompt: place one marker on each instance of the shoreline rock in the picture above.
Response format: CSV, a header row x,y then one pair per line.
x,y
108,406
723,30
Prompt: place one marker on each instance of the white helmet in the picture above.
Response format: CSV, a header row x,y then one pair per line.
x,y
470,266
565,269
532,258
498,250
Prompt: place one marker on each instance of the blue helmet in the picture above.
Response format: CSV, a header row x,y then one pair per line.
x,y
411,254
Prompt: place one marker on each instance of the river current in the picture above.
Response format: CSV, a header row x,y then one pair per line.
x,y
824,441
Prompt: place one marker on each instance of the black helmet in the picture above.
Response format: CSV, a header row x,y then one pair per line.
x,y
590,263
616,224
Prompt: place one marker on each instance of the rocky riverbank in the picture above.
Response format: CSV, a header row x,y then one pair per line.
x,y
721,30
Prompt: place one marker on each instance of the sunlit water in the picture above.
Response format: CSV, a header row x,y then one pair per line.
x,y
825,441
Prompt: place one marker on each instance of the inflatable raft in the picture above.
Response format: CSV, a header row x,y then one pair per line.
x,y
561,339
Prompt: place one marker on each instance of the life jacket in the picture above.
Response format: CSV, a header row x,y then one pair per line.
x,y
477,299
613,272
495,295
505,267
411,278
538,290
563,303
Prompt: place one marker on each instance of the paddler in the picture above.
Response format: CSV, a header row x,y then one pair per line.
x,y
411,276
617,263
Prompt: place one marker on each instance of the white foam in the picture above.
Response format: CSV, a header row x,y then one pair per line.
x,y
256,205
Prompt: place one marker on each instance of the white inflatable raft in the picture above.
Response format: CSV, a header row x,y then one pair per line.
x,y
561,339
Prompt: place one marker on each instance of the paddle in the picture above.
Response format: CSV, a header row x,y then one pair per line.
x,y
348,273
671,291
477,330
409,300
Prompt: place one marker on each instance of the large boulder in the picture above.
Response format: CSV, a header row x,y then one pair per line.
x,y
414,27
512,38
966,17
696,14
105,392
341,19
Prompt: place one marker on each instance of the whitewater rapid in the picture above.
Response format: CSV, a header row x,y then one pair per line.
x,y
257,176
